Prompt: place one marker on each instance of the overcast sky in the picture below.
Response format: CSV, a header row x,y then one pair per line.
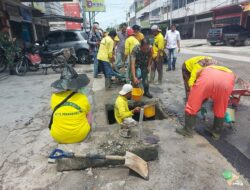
x,y
115,13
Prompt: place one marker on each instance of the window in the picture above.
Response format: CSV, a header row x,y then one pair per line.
x,y
55,37
70,36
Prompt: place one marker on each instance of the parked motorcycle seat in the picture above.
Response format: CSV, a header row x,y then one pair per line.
x,y
52,53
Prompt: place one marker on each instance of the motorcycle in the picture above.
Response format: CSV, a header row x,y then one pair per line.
x,y
39,57
3,60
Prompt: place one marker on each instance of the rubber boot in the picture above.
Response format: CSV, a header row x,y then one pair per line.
x,y
187,130
152,77
108,83
160,78
147,93
215,131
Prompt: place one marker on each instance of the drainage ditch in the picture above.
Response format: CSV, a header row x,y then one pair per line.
x,y
231,153
159,112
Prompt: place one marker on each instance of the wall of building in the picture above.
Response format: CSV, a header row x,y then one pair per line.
x,y
195,16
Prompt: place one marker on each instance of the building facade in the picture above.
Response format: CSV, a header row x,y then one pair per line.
x,y
193,17
71,8
21,22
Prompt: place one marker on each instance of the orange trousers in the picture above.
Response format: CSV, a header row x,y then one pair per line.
x,y
214,84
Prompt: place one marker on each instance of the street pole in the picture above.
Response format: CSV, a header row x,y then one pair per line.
x,y
194,29
171,11
90,26
83,14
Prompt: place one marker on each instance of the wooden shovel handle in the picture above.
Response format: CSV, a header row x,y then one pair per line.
x,y
107,157
111,157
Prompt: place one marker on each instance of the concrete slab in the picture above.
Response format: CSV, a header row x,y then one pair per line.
x,y
76,180
110,144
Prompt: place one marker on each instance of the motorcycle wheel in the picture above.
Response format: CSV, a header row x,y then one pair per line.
x,y
3,64
21,67
58,64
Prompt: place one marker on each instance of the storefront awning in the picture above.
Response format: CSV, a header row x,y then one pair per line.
x,y
227,7
59,18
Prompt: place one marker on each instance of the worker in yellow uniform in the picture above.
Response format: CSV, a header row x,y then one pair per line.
x,y
106,59
190,68
130,43
158,49
122,113
137,30
71,118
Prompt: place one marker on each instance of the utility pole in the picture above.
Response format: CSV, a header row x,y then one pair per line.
x,y
194,29
171,11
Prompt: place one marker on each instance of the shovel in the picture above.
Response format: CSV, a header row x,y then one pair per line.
x,y
132,161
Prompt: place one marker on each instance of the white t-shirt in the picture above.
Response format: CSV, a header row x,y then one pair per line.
x,y
172,38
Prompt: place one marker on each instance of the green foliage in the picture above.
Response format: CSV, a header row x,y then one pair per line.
x,y
10,48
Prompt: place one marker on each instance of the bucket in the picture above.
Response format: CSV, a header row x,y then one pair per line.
x,y
149,110
137,94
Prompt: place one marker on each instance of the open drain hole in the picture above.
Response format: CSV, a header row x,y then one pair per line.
x,y
159,113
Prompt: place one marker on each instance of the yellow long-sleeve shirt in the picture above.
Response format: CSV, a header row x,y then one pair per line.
x,y
193,67
159,44
121,109
130,43
106,48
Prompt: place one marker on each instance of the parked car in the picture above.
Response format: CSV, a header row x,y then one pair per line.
x,y
230,35
60,39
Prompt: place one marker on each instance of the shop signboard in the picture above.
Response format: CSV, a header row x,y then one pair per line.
x,y
72,10
94,6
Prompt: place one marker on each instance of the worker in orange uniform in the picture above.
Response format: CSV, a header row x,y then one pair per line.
x,y
190,68
215,82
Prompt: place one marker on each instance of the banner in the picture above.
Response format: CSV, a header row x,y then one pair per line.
x,y
72,10
94,6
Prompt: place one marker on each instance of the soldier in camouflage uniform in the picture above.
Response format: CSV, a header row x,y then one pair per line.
x,y
10,47
141,58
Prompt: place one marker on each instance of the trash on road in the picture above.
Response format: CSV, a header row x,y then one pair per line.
x,y
231,178
227,175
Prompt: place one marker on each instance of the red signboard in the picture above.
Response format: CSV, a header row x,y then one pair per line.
x,y
72,10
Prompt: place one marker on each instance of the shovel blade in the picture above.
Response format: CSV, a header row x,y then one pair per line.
x,y
137,164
